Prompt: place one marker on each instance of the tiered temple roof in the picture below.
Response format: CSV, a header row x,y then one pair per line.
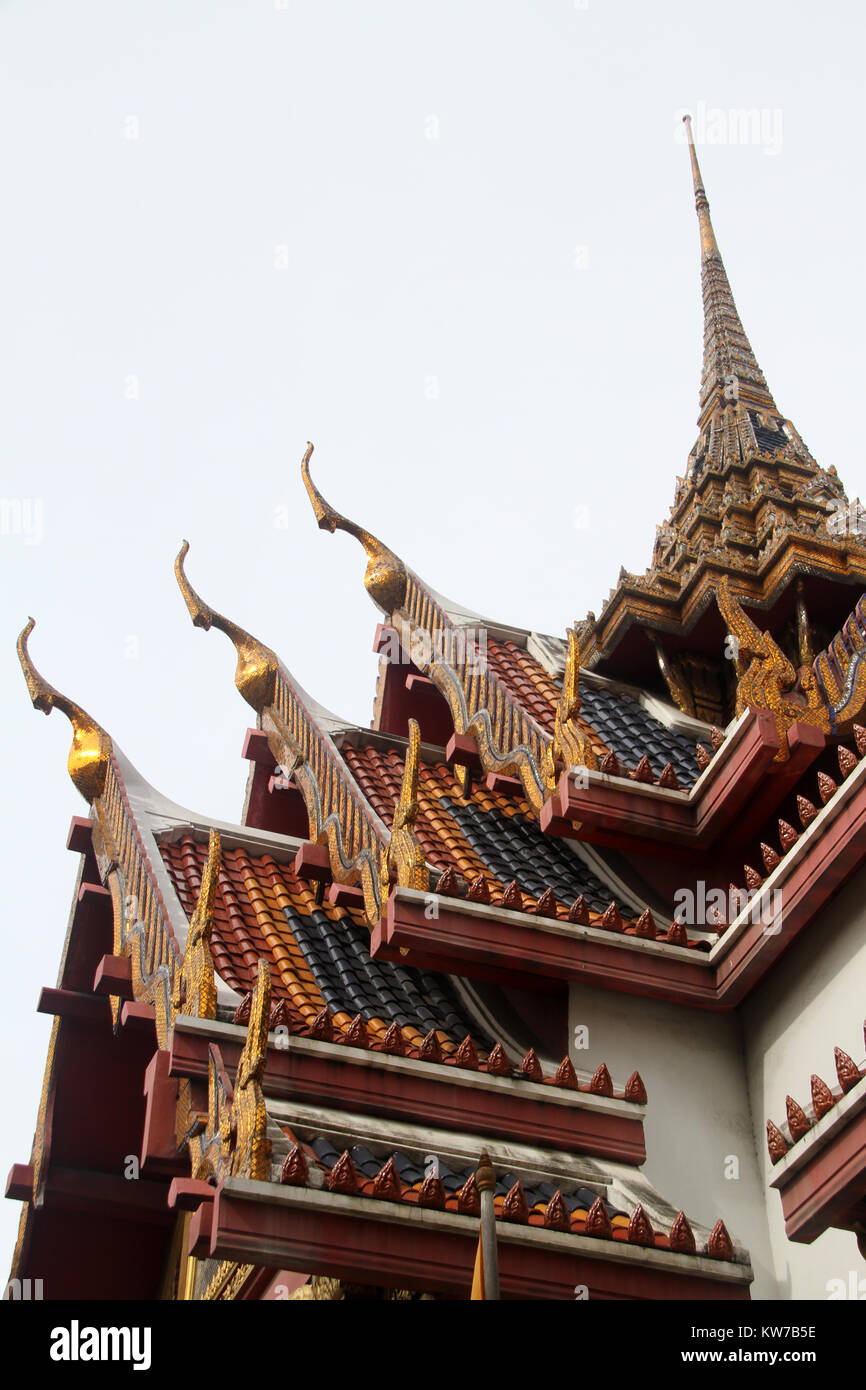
x,y
317,1017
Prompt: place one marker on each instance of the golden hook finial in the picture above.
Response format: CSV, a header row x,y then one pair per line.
x,y
385,577
709,246
91,746
257,665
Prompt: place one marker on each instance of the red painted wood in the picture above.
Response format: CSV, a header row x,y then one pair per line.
x,y
365,1088
159,1153
367,1250
68,1003
463,750
828,1186
635,812
313,863
187,1194
114,977
19,1184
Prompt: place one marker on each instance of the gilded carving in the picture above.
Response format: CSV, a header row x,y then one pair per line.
x,y
195,985
257,665
571,746
91,746
766,678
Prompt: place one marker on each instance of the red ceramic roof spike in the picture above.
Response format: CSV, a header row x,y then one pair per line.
x,y
676,934
668,778
859,739
806,811
281,1015
393,1043
847,760
386,1184
826,787
546,905
846,1069
682,1237
469,1198
776,1142
531,1067
512,898
322,1027
635,1090
478,891
717,738
645,925
497,1061
611,919
431,1193
640,1231
720,1246
295,1170
242,1012
447,884
515,1206
643,772
343,1177
430,1049
579,912
798,1123
610,764
565,1075
601,1084
770,857
466,1055
753,878
787,835
703,756
556,1217
822,1097
598,1221
356,1034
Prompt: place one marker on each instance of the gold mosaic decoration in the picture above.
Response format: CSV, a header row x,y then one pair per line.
x,y
509,740
91,746
257,664
233,1140
571,746
339,814
767,679
195,989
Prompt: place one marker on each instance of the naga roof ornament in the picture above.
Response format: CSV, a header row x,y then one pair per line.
x,y
91,745
385,578
257,664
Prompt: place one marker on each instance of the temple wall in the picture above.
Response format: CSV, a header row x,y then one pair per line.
x,y
814,1000
698,1122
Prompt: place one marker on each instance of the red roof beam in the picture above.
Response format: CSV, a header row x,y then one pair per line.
x,y
362,1240
430,1093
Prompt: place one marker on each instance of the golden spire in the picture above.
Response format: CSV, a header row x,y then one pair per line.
x,y
257,665
91,746
730,372
385,577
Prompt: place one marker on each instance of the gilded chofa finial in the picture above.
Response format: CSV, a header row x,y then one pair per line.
x,y
91,746
385,578
257,664
709,246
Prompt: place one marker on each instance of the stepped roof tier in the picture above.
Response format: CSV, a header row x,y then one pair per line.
x,y
308,1025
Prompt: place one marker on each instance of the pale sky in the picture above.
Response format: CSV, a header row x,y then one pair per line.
x,y
453,244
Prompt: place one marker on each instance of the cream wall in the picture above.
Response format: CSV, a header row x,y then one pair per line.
x,y
713,1080
698,1115
813,1000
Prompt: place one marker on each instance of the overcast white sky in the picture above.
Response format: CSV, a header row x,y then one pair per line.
x,y
454,244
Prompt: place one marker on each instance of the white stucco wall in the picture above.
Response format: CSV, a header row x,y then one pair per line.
x,y
813,1000
713,1080
698,1115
